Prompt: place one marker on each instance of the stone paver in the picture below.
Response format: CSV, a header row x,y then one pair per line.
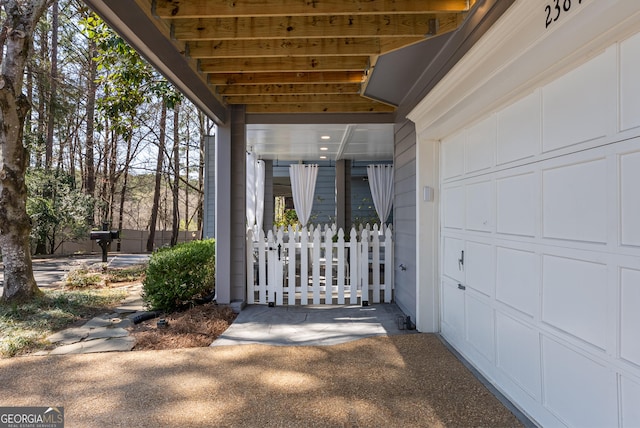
x,y
113,344
70,335
103,333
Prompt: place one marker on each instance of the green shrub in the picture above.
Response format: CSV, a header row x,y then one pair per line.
x,y
179,275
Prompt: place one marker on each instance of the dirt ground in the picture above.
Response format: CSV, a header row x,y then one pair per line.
x,y
192,328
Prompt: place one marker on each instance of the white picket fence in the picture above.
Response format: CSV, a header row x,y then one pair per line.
x,y
315,266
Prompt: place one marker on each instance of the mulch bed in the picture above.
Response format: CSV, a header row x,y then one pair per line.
x,y
192,328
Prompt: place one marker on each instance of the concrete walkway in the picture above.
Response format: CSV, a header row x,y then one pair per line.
x,y
280,326
312,325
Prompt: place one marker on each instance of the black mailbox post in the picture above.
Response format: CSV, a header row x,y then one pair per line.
x,y
104,237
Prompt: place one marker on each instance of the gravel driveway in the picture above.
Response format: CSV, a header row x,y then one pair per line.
x,y
395,381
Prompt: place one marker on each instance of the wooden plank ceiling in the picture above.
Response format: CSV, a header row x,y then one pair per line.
x,y
299,56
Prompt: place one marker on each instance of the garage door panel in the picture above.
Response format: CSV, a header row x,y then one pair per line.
x,y
453,249
571,114
630,315
519,130
452,309
453,156
580,391
479,206
479,319
517,279
572,202
630,392
453,200
480,146
518,353
574,297
517,205
479,267
629,83
630,198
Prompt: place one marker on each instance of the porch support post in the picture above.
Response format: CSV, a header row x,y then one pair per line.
x,y
209,202
223,214
428,237
230,209
343,194
268,195
238,195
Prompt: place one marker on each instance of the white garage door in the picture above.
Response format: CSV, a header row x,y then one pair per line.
x,y
541,245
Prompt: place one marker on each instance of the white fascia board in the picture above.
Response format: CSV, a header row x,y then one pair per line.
x,y
517,55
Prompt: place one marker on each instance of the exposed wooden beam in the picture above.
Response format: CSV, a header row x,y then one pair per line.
x,y
284,47
169,9
285,64
365,107
387,25
284,78
275,89
296,99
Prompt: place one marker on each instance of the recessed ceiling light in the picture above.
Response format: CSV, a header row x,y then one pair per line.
x,y
324,149
323,157
325,137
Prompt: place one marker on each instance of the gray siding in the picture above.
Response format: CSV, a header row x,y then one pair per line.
x,y
268,195
362,208
404,212
324,202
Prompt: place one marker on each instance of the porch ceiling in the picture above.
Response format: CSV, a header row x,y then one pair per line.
x,y
282,56
291,142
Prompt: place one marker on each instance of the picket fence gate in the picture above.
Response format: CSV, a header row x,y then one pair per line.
x,y
315,266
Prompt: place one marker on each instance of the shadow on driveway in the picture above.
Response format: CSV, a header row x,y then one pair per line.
x,y
396,381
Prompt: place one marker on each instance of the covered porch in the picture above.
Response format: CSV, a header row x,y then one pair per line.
x,y
274,65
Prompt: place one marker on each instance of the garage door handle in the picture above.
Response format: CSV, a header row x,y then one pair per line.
x,y
461,287
461,260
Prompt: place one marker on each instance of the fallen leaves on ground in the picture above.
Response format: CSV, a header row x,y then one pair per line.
x,y
194,327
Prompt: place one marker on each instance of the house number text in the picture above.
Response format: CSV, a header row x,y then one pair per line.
x,y
556,8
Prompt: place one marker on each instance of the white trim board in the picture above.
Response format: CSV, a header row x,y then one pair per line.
x,y
517,55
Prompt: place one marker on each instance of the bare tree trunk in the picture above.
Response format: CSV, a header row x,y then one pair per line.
x,y
156,191
123,191
41,85
187,220
90,173
20,18
113,164
175,226
104,210
28,128
53,85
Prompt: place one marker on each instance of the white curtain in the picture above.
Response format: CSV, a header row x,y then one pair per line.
x,y
255,191
259,193
303,187
381,185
